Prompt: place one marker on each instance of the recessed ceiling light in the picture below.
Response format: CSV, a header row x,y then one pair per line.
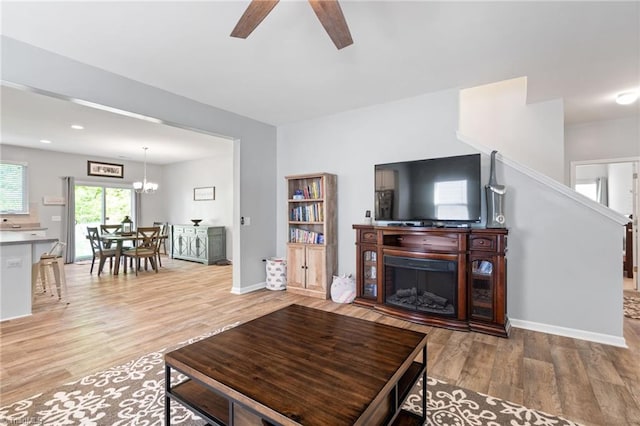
x,y
627,98
45,141
77,126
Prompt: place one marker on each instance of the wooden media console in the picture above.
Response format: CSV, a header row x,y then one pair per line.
x,y
446,277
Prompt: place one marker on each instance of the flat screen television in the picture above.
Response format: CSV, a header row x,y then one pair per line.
x,y
437,191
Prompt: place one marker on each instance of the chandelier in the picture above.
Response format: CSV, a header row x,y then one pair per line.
x,y
145,187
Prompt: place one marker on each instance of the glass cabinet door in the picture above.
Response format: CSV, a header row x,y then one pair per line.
x,y
481,291
370,274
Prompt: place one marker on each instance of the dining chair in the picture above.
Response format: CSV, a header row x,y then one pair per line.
x,y
146,247
99,251
51,261
162,240
164,232
110,230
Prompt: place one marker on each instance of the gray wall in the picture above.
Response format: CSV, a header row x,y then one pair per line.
x,y
561,279
601,140
254,146
46,168
349,144
216,171
173,202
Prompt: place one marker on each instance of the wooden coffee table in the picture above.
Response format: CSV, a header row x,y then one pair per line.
x,y
300,365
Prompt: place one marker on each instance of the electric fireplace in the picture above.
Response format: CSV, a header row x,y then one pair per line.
x,y
423,285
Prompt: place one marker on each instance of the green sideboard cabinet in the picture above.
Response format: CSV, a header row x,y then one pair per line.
x,y
204,244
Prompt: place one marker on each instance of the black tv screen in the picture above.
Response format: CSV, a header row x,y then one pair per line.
x,y
434,190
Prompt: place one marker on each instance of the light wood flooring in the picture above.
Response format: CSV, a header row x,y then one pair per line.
x,y
111,320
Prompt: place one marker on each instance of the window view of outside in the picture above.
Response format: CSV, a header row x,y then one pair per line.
x,y
588,190
13,188
96,205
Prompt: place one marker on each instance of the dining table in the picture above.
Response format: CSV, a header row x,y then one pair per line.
x,y
119,240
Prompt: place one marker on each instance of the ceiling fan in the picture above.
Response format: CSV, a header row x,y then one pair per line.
x,y
328,12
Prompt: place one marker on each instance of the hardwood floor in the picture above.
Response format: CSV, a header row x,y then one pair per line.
x,y
111,320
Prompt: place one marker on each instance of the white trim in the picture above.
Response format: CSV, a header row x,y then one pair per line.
x,y
606,160
606,339
103,183
16,317
551,183
245,290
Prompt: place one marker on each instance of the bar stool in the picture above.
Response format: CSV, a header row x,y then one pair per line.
x,y
51,262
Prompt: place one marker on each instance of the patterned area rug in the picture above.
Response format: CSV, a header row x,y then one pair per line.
x,y
133,394
631,307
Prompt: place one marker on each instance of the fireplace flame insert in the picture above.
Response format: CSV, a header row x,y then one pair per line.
x,y
424,285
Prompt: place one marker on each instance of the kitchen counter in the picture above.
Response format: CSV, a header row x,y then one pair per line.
x,y
9,239
7,233
18,254
23,228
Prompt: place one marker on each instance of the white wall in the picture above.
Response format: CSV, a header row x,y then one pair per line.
x,y
558,278
600,140
621,187
46,168
531,134
254,142
216,171
349,144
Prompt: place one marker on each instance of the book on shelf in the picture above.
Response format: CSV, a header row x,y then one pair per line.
x,y
298,235
313,191
308,213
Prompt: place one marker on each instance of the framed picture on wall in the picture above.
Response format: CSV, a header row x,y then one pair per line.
x,y
95,168
205,193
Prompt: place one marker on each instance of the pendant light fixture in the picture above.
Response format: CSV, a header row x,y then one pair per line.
x,y
145,187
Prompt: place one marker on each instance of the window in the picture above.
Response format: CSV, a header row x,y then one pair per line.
x,y
14,197
588,190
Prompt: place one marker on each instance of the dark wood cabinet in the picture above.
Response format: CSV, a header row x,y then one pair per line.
x,y
487,290
627,256
368,290
400,268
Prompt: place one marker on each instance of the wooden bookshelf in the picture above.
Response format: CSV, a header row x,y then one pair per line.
x,y
312,233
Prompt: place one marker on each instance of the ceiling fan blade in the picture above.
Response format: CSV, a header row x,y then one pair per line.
x,y
330,15
251,18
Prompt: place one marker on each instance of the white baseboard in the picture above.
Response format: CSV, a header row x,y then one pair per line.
x,y
606,339
245,290
16,317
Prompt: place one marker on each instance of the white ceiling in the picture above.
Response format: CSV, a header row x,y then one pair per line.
x,y
28,117
288,70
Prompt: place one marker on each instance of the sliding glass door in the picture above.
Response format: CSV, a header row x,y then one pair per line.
x,y
96,205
